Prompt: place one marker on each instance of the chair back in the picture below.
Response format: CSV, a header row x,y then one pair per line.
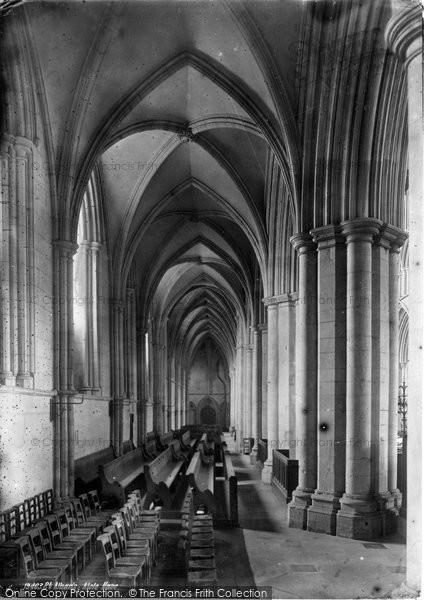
x,y
54,528
85,505
37,545
106,548
94,499
27,558
120,530
45,536
78,511
114,540
64,524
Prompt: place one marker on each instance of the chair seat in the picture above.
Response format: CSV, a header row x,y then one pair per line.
x,y
201,563
202,577
129,572
44,575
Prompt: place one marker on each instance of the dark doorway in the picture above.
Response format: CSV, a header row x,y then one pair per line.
x,y
208,416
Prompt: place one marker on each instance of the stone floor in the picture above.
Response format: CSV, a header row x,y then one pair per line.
x,y
300,564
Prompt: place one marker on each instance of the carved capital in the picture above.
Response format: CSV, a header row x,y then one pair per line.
x,y
303,243
362,229
328,236
392,237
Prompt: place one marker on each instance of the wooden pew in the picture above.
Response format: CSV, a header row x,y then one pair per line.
x,y
87,469
230,490
163,476
164,439
201,477
120,475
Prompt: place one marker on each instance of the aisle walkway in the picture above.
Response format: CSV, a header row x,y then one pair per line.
x,y
300,564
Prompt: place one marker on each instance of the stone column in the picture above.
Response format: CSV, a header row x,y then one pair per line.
x,y
239,396
95,249
256,389
306,380
16,263
141,384
358,517
262,417
63,410
286,351
248,391
272,386
331,422
118,375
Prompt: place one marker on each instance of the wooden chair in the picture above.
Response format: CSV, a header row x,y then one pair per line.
x,y
133,547
89,514
81,520
67,515
28,565
137,532
96,505
41,562
141,559
58,543
121,575
66,536
50,552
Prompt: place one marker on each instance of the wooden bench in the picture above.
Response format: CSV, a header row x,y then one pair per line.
x,y
230,490
87,469
164,440
201,478
120,476
163,476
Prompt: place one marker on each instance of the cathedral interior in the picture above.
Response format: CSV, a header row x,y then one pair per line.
x,y
212,220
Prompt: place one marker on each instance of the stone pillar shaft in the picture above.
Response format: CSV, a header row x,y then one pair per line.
x,y
306,380
256,389
358,516
248,391
272,387
331,420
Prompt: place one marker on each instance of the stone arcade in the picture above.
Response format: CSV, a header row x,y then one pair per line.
x,y
212,212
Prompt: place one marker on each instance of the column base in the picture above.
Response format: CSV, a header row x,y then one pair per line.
x,y
396,499
266,474
322,514
298,509
359,519
7,379
386,504
25,380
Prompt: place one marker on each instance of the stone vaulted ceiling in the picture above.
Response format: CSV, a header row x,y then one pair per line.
x,y
173,106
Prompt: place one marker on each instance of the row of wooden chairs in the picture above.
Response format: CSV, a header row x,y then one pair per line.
x,y
197,543
50,549
129,543
23,515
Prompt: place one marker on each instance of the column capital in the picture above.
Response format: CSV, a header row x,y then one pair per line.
x,y
327,236
392,237
262,326
65,247
303,243
96,246
404,32
118,306
279,299
361,229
